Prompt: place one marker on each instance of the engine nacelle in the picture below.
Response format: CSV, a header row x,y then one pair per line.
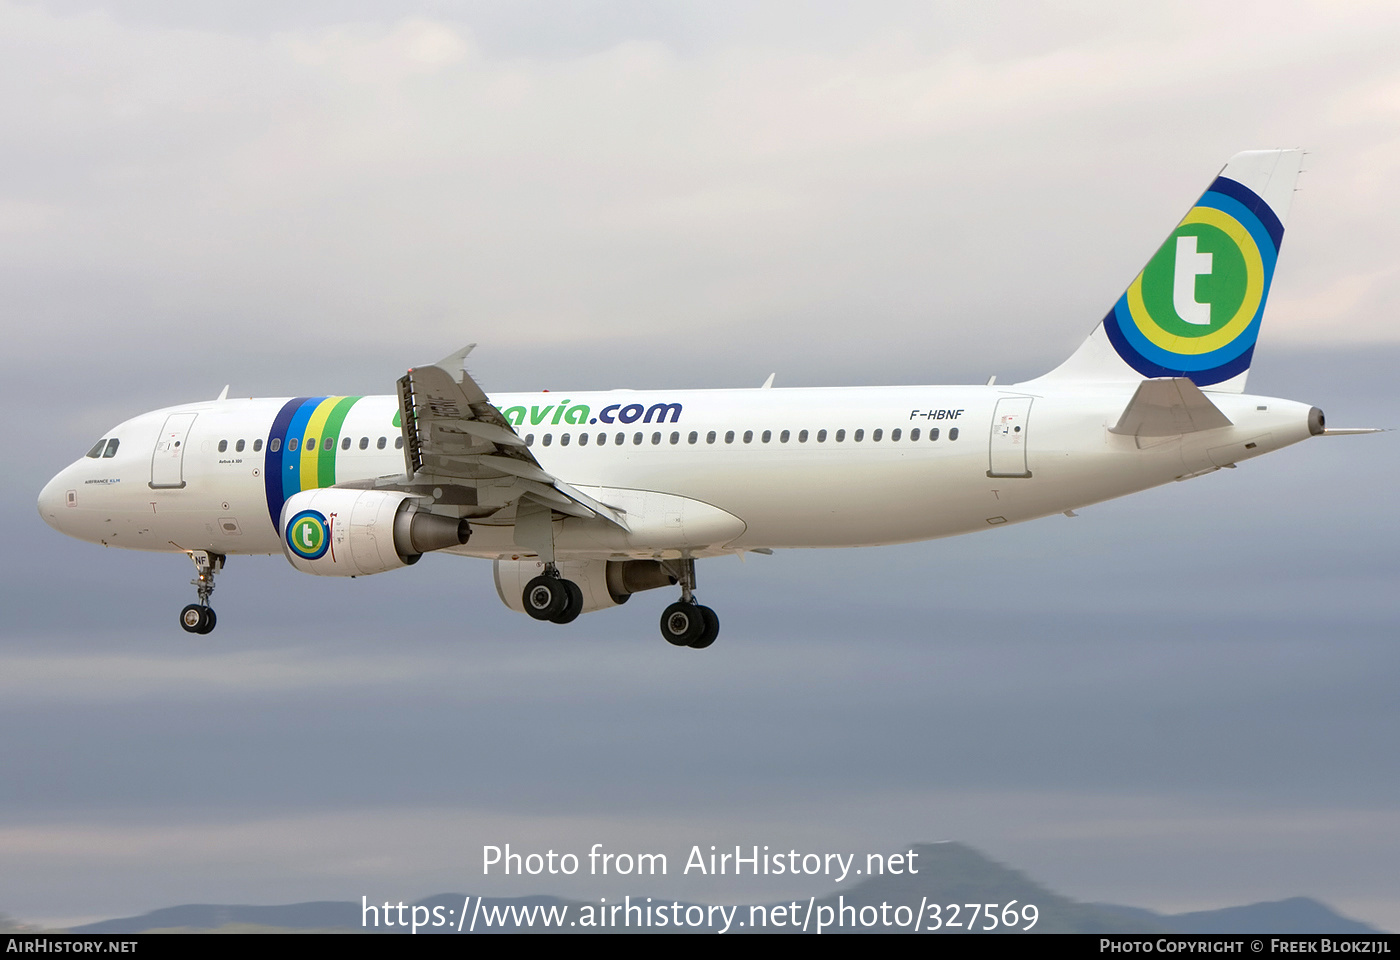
x,y
605,583
350,533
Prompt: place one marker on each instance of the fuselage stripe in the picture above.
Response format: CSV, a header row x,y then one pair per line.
x,y
336,420
292,459
272,466
307,430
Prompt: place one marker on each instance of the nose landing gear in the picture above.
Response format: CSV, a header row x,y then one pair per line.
x,y
199,617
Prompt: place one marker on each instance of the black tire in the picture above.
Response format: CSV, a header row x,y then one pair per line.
x,y
575,605
209,620
711,631
545,597
682,623
192,618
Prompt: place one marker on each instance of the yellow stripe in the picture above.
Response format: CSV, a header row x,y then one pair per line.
x,y
1253,292
315,427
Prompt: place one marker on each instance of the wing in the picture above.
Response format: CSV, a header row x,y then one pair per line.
x,y
462,453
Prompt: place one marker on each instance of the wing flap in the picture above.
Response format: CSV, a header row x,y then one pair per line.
x,y
453,435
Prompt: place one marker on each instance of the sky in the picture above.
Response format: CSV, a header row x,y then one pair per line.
x,y
1180,700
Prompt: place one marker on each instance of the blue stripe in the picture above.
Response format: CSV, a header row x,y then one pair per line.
x,y
1242,215
291,471
1253,203
272,466
1200,376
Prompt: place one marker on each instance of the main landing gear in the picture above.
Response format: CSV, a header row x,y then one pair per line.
x,y
551,597
687,623
199,617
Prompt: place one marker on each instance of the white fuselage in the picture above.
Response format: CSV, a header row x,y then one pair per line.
x,y
777,468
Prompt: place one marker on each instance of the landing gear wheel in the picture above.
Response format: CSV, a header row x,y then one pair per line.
x,y
573,607
545,597
707,636
682,623
197,619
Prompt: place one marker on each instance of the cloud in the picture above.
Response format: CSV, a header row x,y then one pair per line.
x,y
387,180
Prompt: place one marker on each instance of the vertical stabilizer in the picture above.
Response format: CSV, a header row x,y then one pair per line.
x,y
1194,311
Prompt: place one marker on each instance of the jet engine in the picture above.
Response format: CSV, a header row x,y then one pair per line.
x,y
349,533
605,583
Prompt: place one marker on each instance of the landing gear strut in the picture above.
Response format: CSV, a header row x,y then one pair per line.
x,y
687,623
199,617
551,597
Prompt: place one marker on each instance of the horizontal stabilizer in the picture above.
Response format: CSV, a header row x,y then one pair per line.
x,y
1168,407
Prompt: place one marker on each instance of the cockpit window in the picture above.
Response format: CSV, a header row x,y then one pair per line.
x,y
96,450
112,445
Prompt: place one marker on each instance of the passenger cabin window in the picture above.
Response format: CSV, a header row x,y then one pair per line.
x,y
380,444
547,439
710,437
223,446
529,439
694,437
952,433
894,434
238,447
345,444
275,444
364,443
310,444
111,450
748,436
840,435
329,444
875,437
729,436
821,436
583,439
802,437
675,438
913,434
858,436
767,435
292,445
933,433
257,445
564,440
97,448
784,436
398,443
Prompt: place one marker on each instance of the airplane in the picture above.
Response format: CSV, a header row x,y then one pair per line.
x,y
582,499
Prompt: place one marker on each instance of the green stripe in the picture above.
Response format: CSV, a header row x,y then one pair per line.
x,y
325,465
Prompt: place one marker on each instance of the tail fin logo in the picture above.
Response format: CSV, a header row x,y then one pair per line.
x,y
1195,309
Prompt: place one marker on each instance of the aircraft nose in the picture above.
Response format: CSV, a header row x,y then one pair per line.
x,y
53,501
